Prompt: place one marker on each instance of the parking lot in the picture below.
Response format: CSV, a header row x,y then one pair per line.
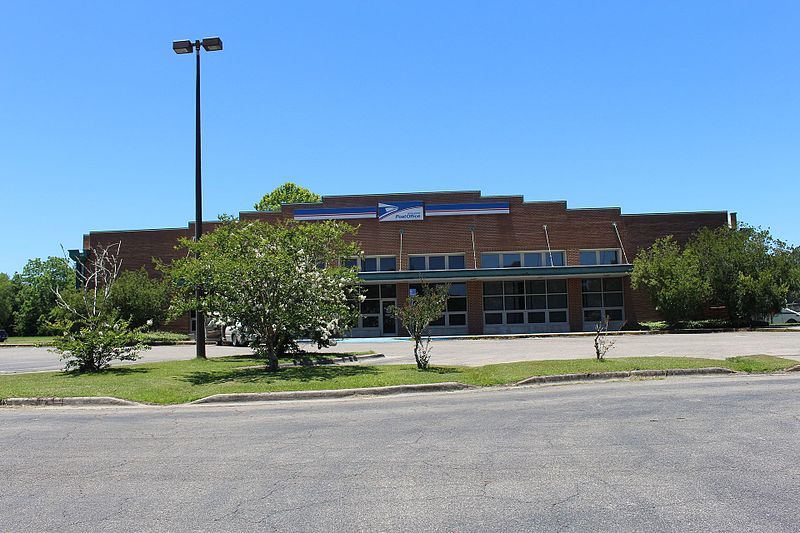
x,y
475,352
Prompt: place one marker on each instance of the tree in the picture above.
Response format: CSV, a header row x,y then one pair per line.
x,y
748,271
672,278
288,193
280,282
602,344
141,299
91,333
418,313
6,301
34,293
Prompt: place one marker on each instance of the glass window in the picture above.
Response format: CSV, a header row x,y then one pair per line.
x,y
455,262
608,257
593,300
533,260
369,264
458,289
591,285
592,315
588,257
494,318
350,262
602,298
416,262
536,318
436,262
388,291
458,320
388,264
515,303
612,299
514,287
370,307
535,286
439,321
537,302
371,291
490,260
557,259
493,303
557,301
511,260
556,285
493,287
369,322
456,304
515,318
535,296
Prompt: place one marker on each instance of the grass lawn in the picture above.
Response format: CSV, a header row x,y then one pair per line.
x,y
151,337
33,341
183,381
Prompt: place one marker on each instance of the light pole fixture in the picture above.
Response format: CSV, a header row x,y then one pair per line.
x,y
210,44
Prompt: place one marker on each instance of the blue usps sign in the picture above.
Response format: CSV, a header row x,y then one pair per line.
x,y
399,211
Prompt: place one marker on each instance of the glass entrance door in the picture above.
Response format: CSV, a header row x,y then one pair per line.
x,y
388,322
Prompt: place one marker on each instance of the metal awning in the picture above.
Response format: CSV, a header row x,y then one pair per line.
x,y
488,274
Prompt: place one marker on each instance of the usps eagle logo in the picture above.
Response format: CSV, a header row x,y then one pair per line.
x,y
400,211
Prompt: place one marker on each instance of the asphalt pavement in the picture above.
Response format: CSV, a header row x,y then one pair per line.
x,y
484,351
683,454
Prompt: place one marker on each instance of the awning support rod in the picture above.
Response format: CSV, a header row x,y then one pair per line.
x,y
549,251
624,255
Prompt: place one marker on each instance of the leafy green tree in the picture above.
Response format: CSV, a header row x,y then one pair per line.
x,y
6,301
418,313
672,278
34,293
141,299
747,270
280,282
288,193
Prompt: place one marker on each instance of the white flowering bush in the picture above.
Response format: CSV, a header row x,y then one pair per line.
x,y
281,282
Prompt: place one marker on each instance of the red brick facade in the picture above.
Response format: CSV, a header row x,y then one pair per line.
x,y
522,229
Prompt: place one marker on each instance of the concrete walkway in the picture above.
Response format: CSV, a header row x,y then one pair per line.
x,y
484,351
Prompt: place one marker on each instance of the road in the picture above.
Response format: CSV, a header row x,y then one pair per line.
x,y
699,454
485,351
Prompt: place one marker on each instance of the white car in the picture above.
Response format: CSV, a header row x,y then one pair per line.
x,y
234,336
785,316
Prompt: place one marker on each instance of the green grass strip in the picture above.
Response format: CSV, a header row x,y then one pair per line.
x,y
183,381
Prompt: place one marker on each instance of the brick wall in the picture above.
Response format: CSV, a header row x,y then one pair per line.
x,y
569,229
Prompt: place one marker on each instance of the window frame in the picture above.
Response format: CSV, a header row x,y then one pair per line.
x,y
525,295
603,308
544,258
446,256
597,254
447,312
360,262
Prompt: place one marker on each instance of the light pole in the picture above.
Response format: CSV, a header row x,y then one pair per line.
x,y
210,44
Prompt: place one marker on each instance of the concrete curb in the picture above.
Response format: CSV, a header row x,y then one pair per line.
x,y
336,393
615,333
81,401
593,376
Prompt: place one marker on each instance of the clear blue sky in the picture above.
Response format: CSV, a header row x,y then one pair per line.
x,y
649,106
